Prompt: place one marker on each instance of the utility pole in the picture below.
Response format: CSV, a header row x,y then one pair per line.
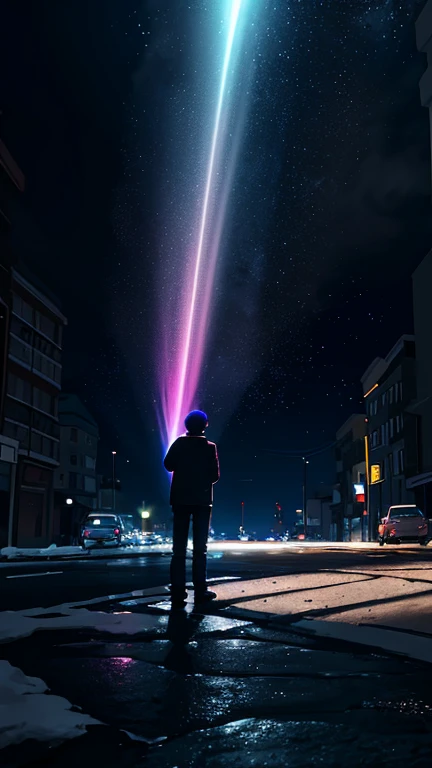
x,y
114,454
305,463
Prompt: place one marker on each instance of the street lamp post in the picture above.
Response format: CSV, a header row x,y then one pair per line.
x,y
242,517
305,463
114,454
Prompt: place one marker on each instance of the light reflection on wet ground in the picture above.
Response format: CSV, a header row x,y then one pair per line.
x,y
228,692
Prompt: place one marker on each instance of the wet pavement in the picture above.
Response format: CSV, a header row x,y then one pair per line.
x,y
193,690
204,690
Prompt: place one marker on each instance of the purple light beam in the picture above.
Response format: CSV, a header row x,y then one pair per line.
x,y
184,351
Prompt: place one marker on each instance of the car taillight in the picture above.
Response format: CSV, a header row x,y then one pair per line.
x,y
301,537
116,531
86,533
393,532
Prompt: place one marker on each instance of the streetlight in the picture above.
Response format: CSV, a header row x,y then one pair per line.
x,y
305,463
114,454
145,515
69,502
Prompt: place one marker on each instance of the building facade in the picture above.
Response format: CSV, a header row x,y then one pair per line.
x,y
75,479
11,185
389,387
349,521
421,482
30,412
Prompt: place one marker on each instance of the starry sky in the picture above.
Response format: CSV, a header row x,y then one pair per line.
x,y
106,108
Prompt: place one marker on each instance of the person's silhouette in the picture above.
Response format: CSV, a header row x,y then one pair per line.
x,y
193,460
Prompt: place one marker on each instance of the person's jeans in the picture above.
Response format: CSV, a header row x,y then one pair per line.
x,y
200,527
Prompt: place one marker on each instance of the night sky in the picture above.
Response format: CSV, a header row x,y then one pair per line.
x,y
105,106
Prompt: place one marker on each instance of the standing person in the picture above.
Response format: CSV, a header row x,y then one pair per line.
x,y
193,460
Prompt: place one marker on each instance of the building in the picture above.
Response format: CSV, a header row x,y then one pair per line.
x,y
421,482
319,513
75,479
11,185
30,413
389,387
349,522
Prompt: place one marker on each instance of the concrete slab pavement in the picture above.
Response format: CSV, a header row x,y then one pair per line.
x,y
387,609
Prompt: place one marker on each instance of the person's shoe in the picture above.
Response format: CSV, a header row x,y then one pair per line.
x,y
205,597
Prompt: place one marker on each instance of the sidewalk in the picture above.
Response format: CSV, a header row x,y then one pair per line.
x,y
388,608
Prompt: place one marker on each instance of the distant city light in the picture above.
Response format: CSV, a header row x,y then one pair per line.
x,y
69,501
145,514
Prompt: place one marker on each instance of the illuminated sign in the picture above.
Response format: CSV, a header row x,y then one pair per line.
x,y
359,493
375,473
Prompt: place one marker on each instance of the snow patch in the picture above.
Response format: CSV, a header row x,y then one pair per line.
x,y
18,624
15,552
28,712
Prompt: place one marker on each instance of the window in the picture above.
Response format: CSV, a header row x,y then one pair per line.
x,y
43,401
391,428
383,398
401,462
19,388
46,367
90,463
74,435
396,392
46,326
88,440
400,390
22,309
17,432
387,433
396,463
402,421
61,478
398,424
74,460
382,434
72,479
36,442
20,351
48,349
374,439
391,394
90,484
391,468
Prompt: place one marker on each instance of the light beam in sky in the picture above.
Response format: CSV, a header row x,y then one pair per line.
x,y
184,348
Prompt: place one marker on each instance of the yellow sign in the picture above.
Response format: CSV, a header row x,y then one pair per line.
x,y
375,473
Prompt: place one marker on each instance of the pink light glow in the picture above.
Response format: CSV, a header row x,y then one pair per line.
x,y
182,352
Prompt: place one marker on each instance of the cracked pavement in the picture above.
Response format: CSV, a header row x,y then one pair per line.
x,y
211,690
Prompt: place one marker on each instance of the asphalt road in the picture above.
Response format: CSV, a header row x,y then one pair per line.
x,y
44,584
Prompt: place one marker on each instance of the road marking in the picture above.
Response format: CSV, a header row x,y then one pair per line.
x,y
30,575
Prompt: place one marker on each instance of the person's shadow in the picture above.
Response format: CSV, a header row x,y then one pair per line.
x,y
181,628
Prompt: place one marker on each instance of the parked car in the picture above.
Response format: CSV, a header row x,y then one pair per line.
x,y
101,530
403,523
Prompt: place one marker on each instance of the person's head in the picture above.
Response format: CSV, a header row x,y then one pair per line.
x,y
196,422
